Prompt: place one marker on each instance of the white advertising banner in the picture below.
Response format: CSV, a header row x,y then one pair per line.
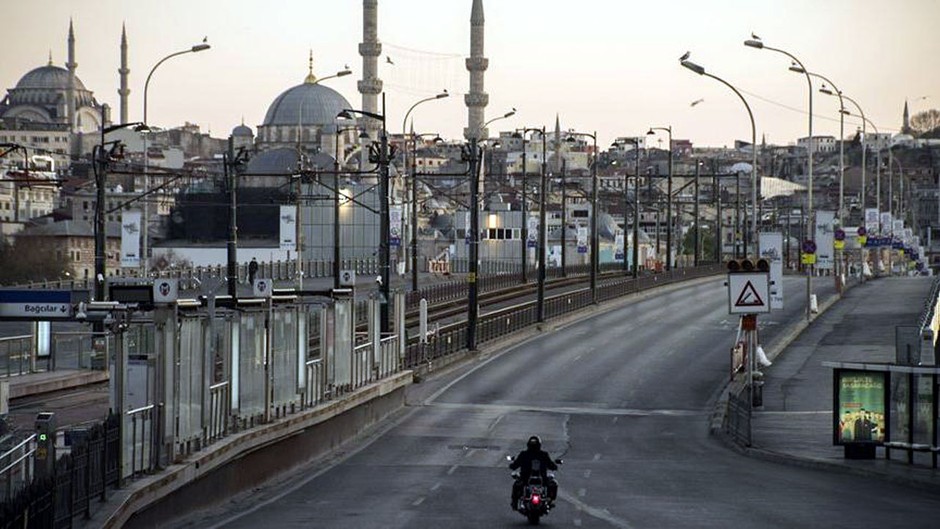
x,y
582,239
871,221
618,247
288,228
771,248
825,223
886,222
394,226
898,228
130,239
533,234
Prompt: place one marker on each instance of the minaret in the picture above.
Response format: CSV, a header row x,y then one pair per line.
x,y
906,120
70,94
370,86
477,99
556,166
124,91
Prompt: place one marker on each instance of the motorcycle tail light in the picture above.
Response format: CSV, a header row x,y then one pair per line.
x,y
535,499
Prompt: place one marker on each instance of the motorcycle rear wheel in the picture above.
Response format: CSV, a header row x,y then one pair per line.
x,y
534,518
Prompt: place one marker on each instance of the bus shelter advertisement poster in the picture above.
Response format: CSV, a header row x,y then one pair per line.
x,y
860,407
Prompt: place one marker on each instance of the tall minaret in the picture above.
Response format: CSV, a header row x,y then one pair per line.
x,y
124,91
370,86
477,99
70,95
556,166
906,120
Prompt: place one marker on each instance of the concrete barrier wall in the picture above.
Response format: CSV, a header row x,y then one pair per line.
x,y
248,459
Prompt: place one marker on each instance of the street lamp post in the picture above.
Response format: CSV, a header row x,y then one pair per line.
x,y
543,235
808,235
414,188
701,71
525,182
379,153
146,213
668,129
414,204
594,237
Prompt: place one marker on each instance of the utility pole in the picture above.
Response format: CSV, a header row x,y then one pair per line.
x,y
543,236
695,246
472,156
228,162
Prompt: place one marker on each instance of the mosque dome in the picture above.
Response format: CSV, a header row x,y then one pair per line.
x,y
306,104
242,131
48,77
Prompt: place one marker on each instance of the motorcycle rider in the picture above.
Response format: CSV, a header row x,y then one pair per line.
x,y
523,462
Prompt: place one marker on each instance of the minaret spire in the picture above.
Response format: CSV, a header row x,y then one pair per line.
x,y
370,86
124,91
906,120
477,99
70,95
556,166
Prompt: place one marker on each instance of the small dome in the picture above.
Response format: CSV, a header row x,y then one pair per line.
x,y
242,131
306,104
48,77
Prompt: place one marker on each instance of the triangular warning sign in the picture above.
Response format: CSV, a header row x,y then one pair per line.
x,y
749,297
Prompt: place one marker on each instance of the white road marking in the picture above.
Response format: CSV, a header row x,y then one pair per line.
x,y
587,473
436,486
451,470
600,514
597,457
571,410
582,493
418,501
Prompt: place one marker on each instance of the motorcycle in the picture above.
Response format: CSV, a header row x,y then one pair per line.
x,y
534,502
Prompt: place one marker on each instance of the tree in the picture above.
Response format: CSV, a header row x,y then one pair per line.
x,y
925,122
30,260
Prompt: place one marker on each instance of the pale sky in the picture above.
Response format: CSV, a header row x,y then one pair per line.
x,y
605,65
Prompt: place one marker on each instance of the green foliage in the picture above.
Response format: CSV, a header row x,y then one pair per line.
x,y
706,242
30,260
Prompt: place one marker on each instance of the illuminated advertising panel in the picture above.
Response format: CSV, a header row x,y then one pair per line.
x,y
859,409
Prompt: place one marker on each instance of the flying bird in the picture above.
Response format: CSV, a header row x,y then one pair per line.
x,y
754,36
205,39
388,59
685,56
697,101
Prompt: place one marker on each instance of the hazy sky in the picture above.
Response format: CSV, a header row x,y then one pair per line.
x,y
605,65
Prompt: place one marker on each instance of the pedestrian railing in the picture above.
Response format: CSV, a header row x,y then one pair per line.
x,y
313,393
142,433
220,410
17,466
15,355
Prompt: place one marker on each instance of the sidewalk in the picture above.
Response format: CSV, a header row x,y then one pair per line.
x,y
795,425
49,381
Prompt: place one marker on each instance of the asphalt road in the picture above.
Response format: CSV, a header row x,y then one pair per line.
x,y
624,397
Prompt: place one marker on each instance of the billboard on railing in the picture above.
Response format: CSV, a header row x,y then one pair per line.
x,y
130,239
859,411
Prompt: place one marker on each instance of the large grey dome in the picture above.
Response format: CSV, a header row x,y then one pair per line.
x,y
306,104
48,77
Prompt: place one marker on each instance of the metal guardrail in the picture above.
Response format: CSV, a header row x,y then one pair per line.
x,y
17,466
15,353
143,457
220,411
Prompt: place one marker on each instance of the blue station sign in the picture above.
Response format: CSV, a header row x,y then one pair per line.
x,y
36,304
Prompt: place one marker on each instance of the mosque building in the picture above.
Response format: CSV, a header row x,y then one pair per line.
x,y
50,109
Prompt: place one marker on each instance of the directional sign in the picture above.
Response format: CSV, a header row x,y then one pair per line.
x,y
36,304
262,288
748,293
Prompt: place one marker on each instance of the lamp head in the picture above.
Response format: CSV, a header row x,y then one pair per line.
x,y
694,67
794,67
825,89
754,43
363,135
442,95
510,114
345,114
343,73
200,47
650,132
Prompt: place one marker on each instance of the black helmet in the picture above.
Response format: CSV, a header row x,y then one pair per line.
x,y
534,443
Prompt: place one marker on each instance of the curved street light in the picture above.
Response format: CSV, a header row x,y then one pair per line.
x,y
414,203
701,71
758,44
146,210
594,238
652,131
414,187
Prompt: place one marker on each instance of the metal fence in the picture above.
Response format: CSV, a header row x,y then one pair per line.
x,y
86,473
15,353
